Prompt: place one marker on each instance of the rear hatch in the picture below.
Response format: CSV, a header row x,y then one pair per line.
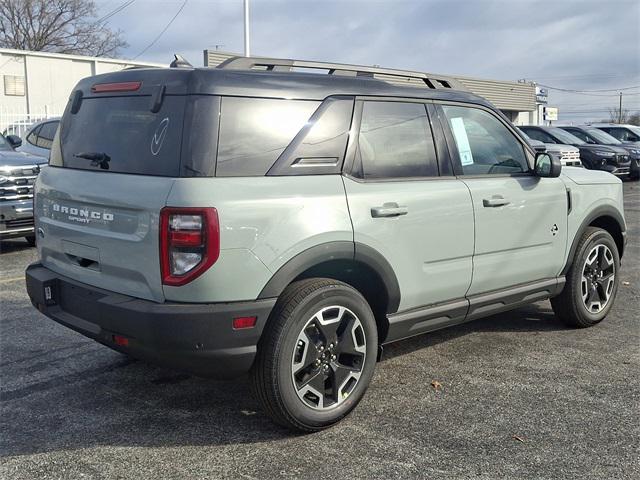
x,y
113,164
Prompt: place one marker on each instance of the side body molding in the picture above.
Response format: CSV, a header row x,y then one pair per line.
x,y
332,251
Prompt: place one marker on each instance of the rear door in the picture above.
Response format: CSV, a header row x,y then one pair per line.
x,y
520,219
406,206
111,170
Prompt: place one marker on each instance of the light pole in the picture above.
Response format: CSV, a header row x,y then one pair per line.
x,y
620,110
247,51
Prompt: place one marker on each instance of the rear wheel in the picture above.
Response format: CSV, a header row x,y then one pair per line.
x,y
592,281
317,354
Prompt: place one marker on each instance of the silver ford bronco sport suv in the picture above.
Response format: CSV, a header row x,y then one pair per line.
x,y
260,218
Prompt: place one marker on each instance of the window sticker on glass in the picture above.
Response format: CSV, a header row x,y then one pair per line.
x,y
462,141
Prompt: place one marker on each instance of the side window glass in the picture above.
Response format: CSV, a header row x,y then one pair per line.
x,y
538,135
46,134
32,138
255,131
485,145
627,136
618,133
395,141
581,135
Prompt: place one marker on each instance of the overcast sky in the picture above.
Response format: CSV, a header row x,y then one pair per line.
x,y
581,45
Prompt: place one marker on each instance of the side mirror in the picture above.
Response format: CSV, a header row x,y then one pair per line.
x,y
14,140
547,166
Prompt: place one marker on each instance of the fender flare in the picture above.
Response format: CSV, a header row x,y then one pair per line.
x,y
335,251
601,211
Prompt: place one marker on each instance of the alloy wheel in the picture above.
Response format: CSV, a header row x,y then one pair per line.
x,y
598,278
328,357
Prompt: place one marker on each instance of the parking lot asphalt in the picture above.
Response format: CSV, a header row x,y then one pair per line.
x,y
521,396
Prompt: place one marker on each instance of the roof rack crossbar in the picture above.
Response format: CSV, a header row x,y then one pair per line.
x,y
287,65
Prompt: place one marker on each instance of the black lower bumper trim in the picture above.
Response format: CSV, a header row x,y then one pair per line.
x,y
197,338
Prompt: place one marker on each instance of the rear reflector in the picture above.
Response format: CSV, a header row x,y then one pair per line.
x,y
244,322
120,340
116,87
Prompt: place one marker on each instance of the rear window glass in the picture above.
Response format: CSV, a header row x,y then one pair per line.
x,y
125,130
255,131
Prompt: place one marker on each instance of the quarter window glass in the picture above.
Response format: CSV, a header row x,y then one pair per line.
x,y
325,140
255,131
46,134
395,141
485,145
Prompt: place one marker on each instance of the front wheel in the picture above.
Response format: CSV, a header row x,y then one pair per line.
x,y
317,354
592,281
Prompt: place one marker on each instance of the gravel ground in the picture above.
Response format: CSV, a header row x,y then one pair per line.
x,y
522,397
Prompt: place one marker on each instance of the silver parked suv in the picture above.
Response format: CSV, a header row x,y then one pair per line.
x,y
259,218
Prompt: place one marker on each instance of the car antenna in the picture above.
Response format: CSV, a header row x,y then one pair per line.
x,y
180,62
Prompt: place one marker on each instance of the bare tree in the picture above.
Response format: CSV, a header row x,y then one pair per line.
x,y
616,117
61,26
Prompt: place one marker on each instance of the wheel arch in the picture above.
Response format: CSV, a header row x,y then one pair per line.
x,y
355,264
605,217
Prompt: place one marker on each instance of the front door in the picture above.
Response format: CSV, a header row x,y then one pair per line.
x,y
520,219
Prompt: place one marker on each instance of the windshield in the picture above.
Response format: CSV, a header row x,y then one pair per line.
x,y
602,137
564,137
4,145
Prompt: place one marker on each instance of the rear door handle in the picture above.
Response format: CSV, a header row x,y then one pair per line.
x,y
495,201
390,209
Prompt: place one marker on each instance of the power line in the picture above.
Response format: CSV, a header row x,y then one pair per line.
x,y
575,90
594,93
163,30
115,11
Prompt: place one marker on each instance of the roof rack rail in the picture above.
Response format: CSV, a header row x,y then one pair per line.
x,y
397,77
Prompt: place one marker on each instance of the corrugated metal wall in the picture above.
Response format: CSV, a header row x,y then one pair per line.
x,y
515,96
504,95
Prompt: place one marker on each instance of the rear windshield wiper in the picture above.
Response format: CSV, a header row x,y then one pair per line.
x,y
98,159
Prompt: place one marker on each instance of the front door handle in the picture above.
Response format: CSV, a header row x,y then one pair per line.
x,y
495,201
390,209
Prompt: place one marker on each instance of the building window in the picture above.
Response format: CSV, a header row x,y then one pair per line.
x,y
14,85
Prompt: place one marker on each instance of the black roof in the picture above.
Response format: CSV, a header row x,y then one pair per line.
x,y
273,84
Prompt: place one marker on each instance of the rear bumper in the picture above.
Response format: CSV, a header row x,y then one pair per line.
x,y
197,338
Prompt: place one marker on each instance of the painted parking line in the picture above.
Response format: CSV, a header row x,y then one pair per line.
x,y
9,280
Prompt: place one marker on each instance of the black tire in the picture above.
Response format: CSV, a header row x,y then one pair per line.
x,y
272,375
31,240
570,305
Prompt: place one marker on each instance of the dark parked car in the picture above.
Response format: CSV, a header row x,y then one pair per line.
x,y
595,136
609,158
18,171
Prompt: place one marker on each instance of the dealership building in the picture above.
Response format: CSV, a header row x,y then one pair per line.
x,y
36,85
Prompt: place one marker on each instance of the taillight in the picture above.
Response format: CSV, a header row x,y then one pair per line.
x,y
189,243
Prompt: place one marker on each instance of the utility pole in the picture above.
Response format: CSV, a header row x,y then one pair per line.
x,y
620,111
247,51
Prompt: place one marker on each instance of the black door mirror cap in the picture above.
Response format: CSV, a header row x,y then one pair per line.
x,y
14,140
547,166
